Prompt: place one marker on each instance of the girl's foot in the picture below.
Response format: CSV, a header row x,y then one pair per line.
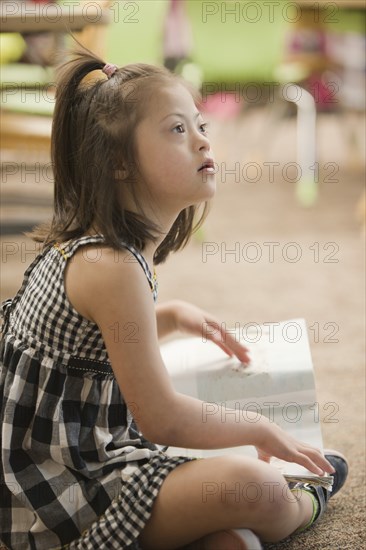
x,y
321,496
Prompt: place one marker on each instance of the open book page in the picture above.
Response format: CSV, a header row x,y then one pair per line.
x,y
279,384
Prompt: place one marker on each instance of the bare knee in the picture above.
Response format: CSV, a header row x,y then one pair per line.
x,y
251,491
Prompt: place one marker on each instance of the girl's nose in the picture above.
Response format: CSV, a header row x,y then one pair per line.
x,y
203,142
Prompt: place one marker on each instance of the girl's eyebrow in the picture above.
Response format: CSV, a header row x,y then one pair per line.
x,y
181,115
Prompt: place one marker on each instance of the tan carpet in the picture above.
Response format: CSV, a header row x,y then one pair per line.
x,y
325,285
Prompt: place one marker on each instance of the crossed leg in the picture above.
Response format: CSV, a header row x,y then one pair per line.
x,y
212,495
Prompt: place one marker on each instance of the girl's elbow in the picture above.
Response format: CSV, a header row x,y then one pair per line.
x,y
160,433
160,423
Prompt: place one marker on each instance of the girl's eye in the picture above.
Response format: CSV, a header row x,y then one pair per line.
x,y
204,127
180,128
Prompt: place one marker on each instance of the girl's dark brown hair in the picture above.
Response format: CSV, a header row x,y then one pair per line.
x,y
93,138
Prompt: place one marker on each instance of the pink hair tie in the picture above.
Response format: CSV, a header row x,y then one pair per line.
x,y
109,69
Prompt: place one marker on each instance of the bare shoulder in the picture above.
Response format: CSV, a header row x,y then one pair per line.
x,y
99,277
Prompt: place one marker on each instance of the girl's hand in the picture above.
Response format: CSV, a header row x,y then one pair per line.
x,y
278,443
193,320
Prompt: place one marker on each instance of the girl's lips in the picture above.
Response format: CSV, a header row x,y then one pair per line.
x,y
208,169
208,165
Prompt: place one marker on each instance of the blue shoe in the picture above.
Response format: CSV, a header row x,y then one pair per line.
x,y
340,464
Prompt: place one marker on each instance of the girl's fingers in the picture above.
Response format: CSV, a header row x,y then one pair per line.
x,y
263,456
222,346
241,352
305,461
314,461
226,341
318,458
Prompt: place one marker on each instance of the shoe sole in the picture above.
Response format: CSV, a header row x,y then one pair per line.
x,y
333,452
340,477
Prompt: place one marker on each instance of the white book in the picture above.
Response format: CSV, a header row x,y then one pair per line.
x,y
279,383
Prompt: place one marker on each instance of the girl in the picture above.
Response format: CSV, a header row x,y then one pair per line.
x,y
86,402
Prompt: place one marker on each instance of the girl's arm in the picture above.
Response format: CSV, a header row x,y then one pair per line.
x,y
117,297
165,319
177,315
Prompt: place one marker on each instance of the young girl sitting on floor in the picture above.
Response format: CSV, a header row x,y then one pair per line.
x,y
85,399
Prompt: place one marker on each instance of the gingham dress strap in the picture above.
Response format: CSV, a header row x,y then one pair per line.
x,y
151,278
69,248
7,305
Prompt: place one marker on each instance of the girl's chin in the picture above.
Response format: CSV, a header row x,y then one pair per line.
x,y
211,188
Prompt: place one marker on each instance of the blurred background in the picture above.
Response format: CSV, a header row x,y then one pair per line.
x,y
283,90
281,82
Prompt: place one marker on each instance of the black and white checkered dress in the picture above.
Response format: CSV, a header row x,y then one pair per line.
x,y
74,470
